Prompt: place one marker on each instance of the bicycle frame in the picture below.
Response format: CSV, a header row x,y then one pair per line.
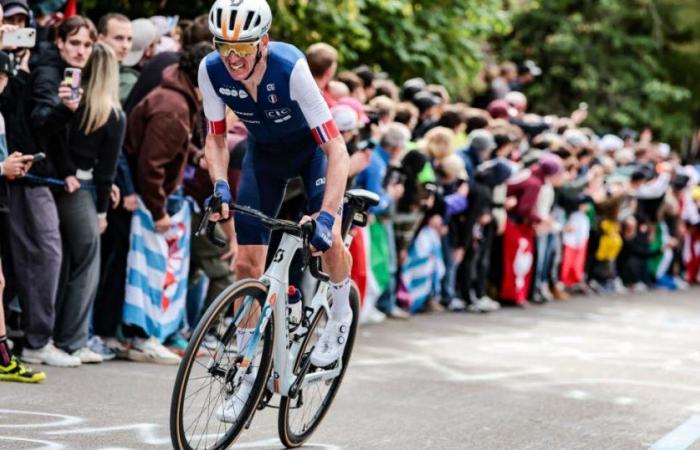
x,y
285,351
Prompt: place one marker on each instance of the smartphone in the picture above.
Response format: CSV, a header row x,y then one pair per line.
x,y
72,77
38,157
23,37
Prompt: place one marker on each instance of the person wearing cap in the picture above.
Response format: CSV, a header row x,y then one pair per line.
x,y
479,147
16,13
12,166
427,104
143,45
474,267
411,87
527,72
37,257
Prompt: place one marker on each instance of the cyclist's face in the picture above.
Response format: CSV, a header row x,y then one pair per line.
x,y
239,67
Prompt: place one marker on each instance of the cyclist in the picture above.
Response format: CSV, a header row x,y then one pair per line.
x,y
292,133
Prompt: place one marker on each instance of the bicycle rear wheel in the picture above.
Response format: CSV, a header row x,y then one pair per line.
x,y
203,384
299,417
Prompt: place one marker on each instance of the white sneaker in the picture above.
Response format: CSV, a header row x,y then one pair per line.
x,y
457,305
331,344
681,283
50,355
117,346
87,356
619,287
489,304
639,287
230,411
151,350
372,316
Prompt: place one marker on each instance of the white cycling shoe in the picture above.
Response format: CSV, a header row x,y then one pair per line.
x,y
331,344
231,409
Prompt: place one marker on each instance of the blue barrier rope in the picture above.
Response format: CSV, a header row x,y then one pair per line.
x,y
48,181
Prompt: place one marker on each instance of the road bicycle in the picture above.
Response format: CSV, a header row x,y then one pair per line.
x,y
279,349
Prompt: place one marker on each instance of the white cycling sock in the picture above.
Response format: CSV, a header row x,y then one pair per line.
x,y
340,293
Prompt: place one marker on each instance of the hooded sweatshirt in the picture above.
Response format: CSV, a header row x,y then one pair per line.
x,y
158,138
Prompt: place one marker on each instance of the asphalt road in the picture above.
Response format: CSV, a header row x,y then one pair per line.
x,y
590,373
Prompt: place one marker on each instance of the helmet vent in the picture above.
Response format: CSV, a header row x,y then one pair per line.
x,y
219,11
257,22
232,19
248,20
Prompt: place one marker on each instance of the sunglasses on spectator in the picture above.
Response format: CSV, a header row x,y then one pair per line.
x,y
240,49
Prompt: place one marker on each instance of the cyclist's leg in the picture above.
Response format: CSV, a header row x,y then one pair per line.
x,y
336,260
261,190
337,263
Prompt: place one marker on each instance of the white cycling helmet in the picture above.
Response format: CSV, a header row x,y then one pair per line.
x,y
240,20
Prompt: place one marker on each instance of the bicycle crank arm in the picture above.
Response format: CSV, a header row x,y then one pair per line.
x,y
306,365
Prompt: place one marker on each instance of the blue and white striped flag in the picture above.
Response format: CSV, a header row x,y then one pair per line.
x,y
157,271
424,268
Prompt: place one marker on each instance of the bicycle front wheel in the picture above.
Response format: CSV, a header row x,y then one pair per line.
x,y
299,417
205,379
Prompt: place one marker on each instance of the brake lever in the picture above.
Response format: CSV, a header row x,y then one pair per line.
x,y
203,222
207,227
313,262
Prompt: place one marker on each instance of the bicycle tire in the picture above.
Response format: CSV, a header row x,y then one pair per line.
x,y
290,438
178,433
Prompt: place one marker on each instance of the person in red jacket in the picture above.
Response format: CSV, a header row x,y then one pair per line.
x,y
523,217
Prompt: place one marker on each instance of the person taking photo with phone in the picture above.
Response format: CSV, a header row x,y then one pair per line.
x,y
36,245
85,156
12,166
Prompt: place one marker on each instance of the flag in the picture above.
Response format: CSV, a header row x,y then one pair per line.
x,y
424,268
157,272
518,244
71,9
359,262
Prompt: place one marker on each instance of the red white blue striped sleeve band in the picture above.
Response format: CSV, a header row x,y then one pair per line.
x,y
325,132
217,127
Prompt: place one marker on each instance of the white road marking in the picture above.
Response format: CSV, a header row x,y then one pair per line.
x,y
680,438
65,421
276,442
624,401
45,445
578,395
146,432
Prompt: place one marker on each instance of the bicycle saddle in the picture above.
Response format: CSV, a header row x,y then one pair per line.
x,y
362,197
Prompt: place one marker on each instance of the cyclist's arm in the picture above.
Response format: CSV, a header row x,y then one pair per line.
x,y
215,148
336,174
305,91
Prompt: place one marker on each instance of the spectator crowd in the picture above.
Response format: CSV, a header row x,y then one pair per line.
x,y
482,204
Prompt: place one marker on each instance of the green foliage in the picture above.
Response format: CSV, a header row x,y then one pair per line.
x,y
438,40
612,54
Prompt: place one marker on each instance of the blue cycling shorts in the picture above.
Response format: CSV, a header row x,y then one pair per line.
x,y
264,178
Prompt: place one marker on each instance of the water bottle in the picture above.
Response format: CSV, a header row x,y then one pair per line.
x,y
293,295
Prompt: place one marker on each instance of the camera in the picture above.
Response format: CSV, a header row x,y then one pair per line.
x,y
395,176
